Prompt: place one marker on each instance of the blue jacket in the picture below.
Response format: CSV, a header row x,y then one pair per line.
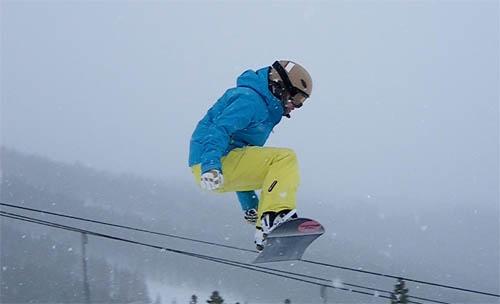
x,y
243,116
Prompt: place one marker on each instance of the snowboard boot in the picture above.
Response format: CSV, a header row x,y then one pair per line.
x,y
271,220
259,239
251,216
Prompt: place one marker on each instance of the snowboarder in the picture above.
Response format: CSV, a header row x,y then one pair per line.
x,y
226,148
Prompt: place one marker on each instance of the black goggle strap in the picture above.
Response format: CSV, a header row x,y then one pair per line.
x,y
292,90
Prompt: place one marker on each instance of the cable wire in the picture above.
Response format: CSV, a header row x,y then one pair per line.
x,y
187,253
254,251
29,219
128,227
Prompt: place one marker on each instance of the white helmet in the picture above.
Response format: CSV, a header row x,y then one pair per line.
x,y
290,80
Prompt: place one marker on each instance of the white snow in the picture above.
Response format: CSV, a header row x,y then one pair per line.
x,y
424,227
337,283
385,253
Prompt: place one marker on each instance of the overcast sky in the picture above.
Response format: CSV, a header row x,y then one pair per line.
x,y
405,100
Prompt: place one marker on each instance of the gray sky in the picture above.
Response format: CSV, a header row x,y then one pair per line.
x,y
405,100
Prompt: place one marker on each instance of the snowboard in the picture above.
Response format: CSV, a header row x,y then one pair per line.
x,y
289,240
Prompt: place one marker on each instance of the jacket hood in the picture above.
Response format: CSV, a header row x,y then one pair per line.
x,y
258,81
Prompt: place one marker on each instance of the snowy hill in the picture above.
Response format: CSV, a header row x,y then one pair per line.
x,y
378,234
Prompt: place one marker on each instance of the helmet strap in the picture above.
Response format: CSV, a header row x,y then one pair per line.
x,y
292,90
279,91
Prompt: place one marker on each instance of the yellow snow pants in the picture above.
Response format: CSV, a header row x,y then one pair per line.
x,y
274,171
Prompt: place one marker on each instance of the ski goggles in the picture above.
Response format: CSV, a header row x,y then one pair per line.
x,y
298,100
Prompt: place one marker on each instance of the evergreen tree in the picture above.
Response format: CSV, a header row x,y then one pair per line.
x,y
215,298
400,294
194,299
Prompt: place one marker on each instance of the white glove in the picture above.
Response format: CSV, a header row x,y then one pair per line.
x,y
211,180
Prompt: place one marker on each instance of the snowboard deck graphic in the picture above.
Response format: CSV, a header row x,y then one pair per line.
x,y
290,240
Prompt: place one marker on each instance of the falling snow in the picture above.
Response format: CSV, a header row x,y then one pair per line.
x,y
337,283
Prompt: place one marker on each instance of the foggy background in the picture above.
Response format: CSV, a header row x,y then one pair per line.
x,y
398,144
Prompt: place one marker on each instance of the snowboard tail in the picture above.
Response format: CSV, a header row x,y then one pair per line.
x,y
290,240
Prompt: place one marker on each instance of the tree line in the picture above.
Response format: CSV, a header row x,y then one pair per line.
x,y
37,269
